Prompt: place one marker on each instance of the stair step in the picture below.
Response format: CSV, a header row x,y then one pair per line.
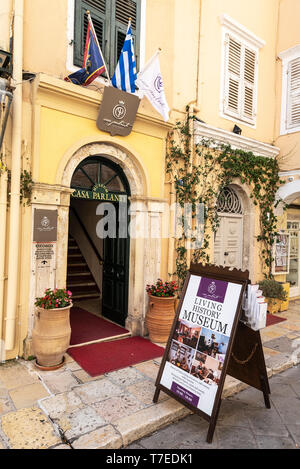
x,y
92,288
80,280
85,296
78,274
81,284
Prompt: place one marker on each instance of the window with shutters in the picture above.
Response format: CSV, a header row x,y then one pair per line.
x,y
293,97
290,99
240,80
110,20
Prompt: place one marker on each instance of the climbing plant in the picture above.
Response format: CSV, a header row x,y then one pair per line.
x,y
200,171
26,184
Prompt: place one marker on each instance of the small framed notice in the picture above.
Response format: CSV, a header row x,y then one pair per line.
x,y
199,348
281,254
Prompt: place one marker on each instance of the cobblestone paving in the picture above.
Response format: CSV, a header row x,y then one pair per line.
x,y
243,423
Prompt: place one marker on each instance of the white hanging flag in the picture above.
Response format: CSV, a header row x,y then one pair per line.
x,y
150,83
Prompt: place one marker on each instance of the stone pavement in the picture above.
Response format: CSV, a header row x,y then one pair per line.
x,y
67,409
243,423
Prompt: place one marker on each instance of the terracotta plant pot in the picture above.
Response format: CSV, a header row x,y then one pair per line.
x,y
160,317
273,305
51,336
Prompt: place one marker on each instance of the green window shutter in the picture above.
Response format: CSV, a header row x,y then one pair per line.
x,y
122,11
110,20
97,9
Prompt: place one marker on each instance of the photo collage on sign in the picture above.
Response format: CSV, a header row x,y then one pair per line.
x,y
198,351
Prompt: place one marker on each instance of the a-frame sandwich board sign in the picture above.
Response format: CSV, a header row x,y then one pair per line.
x,y
208,341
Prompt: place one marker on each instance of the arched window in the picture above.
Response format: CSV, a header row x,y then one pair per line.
x,y
229,202
98,170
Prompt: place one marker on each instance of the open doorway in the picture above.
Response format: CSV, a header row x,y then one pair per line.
x,y
98,254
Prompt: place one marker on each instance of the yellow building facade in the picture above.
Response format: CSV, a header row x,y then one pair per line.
x,y
217,56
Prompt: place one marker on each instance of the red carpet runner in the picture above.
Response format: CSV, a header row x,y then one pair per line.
x,y
86,327
272,319
97,359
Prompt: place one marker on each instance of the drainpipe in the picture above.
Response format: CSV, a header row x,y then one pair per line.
x,y
3,208
14,222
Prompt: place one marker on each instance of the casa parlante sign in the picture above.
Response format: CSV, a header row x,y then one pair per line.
x,y
117,111
99,192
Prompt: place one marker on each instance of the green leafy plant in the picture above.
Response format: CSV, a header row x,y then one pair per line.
x,y
272,289
163,289
200,171
2,165
57,298
26,185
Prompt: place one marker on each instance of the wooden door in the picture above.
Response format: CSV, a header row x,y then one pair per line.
x,y
228,246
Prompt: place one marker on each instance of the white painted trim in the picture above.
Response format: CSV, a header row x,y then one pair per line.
x,y
289,192
295,172
242,32
287,56
202,130
290,54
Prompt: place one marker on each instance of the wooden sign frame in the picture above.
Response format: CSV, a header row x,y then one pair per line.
x,y
244,359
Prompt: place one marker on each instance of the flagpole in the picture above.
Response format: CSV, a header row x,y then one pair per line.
x,y
151,59
92,26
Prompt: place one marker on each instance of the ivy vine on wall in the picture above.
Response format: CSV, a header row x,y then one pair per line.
x,y
199,172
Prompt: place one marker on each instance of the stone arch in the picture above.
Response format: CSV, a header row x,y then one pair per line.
x,y
114,150
248,213
289,191
138,180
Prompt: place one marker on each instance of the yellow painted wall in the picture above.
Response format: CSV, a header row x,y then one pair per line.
x,y
260,18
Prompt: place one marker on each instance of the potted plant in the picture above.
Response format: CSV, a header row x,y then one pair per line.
x,y
161,311
52,331
274,294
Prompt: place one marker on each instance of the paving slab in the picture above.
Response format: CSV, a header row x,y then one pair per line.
x,y
96,391
144,392
150,419
58,382
126,376
79,422
27,396
13,375
65,403
230,437
29,429
102,438
6,406
114,408
275,442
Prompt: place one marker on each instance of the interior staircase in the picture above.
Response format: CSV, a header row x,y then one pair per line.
x,y
80,280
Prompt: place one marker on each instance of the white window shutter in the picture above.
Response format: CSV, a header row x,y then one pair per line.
x,y
240,80
233,75
249,79
293,106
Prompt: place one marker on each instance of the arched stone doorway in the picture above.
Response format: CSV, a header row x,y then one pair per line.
x,y
144,253
234,239
98,246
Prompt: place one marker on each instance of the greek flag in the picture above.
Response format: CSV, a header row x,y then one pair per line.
x,y
125,73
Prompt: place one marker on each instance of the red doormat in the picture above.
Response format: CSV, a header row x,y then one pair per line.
x,y
86,327
102,357
272,319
